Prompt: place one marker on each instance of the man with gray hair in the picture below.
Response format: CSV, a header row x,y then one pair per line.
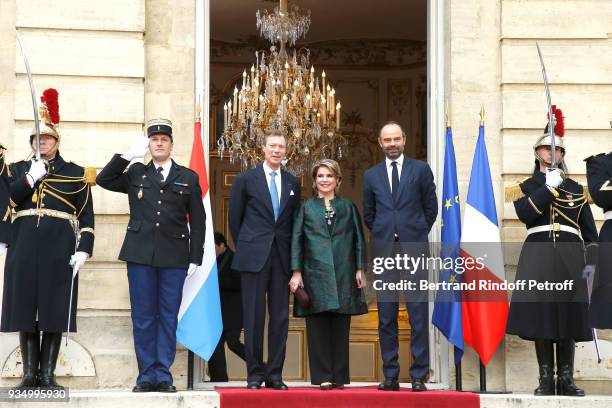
x,y
262,203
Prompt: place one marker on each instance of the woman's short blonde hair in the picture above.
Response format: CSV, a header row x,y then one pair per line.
x,y
332,166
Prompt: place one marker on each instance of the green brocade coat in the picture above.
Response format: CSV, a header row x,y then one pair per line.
x,y
328,261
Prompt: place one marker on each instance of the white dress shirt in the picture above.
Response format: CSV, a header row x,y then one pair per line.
x,y
277,179
165,168
400,163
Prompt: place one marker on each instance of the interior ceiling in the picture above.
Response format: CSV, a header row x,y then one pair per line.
x,y
234,20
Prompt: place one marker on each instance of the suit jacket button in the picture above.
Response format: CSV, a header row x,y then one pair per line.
x,y
180,192
161,191
158,213
182,235
157,224
159,202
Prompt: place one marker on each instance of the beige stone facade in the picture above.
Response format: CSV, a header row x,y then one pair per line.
x,y
118,64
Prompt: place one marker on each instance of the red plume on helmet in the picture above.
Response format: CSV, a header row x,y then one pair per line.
x,y
559,122
50,98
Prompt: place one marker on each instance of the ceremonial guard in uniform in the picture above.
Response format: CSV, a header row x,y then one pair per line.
x,y
599,177
5,208
559,224
164,243
52,236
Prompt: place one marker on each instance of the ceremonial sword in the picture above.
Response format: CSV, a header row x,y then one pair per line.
x,y
33,92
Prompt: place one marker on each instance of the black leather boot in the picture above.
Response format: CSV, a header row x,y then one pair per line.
x,y
29,343
49,351
565,369
545,354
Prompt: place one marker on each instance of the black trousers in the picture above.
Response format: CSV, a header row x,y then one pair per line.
x,y
271,284
217,366
328,347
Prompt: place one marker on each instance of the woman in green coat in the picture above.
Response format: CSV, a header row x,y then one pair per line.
x,y
327,259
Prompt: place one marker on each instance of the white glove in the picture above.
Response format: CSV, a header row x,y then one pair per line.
x,y
37,170
138,149
77,261
192,269
553,178
2,248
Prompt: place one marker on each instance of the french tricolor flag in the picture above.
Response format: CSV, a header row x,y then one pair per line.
x,y
199,319
484,317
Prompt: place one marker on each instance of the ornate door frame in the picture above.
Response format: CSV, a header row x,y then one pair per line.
x,y
436,96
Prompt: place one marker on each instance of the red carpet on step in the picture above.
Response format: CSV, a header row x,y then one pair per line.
x,y
353,397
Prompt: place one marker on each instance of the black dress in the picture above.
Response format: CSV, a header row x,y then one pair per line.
x,y
553,256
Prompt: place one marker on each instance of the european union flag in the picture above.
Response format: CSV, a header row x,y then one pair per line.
x,y
447,307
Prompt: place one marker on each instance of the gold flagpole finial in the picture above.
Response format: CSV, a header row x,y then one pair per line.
x,y
198,110
447,114
482,115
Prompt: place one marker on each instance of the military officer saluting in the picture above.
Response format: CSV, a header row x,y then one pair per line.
x,y
160,248
599,177
559,224
53,228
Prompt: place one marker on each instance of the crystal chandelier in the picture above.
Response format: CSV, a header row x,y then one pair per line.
x,y
283,93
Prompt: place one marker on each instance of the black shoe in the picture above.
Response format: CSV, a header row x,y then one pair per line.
x,y
565,369
29,343
389,385
546,363
144,387
277,385
165,386
337,386
254,385
51,343
418,385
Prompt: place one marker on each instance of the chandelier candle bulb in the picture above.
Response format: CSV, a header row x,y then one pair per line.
x,y
323,81
338,106
243,79
283,6
235,97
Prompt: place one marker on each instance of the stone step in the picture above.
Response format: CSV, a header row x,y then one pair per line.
x,y
210,399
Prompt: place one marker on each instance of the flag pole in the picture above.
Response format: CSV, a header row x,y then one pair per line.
x,y
458,373
483,377
190,370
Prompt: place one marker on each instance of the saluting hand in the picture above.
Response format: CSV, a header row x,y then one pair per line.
x,y
138,149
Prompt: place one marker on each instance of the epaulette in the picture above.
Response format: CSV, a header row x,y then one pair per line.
x,y
587,194
514,192
90,176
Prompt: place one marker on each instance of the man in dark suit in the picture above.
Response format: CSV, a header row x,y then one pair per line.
x,y
400,206
262,203
231,311
160,248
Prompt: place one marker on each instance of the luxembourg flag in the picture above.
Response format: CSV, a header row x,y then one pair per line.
x,y
199,319
484,317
